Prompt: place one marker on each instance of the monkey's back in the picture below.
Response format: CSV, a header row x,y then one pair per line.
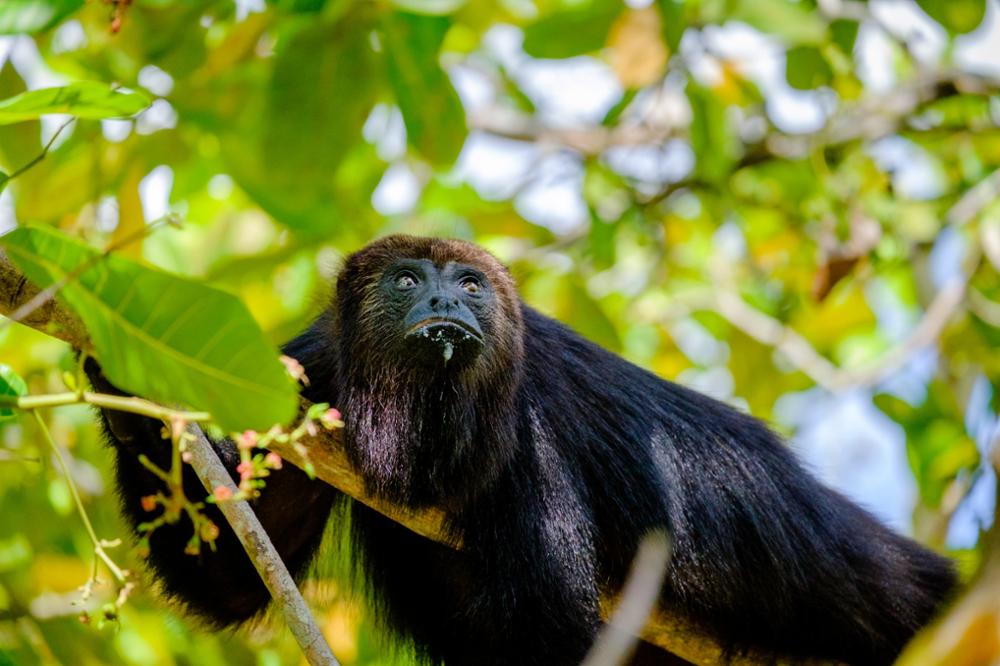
x,y
762,552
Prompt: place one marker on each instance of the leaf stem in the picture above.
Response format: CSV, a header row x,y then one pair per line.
x,y
107,401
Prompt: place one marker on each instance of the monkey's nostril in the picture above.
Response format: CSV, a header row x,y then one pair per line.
x,y
443,303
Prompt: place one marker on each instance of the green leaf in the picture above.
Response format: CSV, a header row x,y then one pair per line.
x,y
301,6
432,111
619,107
85,99
318,99
712,137
895,408
845,34
937,453
601,242
429,7
161,336
956,16
590,319
571,33
21,17
674,22
21,143
15,552
792,22
286,152
4,179
806,68
11,386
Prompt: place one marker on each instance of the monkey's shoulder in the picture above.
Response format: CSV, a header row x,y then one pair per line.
x,y
572,380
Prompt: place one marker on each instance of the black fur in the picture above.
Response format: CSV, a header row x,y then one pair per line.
x,y
553,458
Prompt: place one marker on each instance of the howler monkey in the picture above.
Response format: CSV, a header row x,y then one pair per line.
x,y
552,458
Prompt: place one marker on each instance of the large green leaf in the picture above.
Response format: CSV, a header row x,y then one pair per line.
x,y
286,153
956,16
432,111
18,17
85,99
161,336
11,385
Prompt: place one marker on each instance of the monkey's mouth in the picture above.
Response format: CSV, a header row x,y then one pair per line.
x,y
451,341
433,326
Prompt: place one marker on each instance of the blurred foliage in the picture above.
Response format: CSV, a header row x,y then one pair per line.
x,y
735,194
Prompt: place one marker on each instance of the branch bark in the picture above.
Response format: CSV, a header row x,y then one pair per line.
x,y
666,629
262,553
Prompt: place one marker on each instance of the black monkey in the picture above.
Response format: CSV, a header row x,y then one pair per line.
x,y
552,458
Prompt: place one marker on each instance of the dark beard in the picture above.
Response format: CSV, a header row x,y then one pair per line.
x,y
426,437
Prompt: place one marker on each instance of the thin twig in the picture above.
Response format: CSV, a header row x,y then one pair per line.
x,y
120,575
10,457
974,200
618,638
984,308
45,151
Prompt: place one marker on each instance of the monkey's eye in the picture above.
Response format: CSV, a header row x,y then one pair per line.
x,y
470,285
406,281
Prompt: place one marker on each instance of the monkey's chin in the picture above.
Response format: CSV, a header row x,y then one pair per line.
x,y
444,344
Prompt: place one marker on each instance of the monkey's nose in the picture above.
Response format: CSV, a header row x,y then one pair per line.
x,y
443,303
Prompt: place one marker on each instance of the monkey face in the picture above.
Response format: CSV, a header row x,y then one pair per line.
x,y
410,308
441,310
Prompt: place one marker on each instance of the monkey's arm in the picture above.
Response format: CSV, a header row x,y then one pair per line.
x,y
220,585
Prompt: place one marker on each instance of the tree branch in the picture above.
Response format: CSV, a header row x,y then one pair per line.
x,y
48,317
589,140
869,119
262,553
803,356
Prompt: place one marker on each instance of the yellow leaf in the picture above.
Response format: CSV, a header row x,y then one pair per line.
x,y
843,312
58,573
638,54
341,630
729,87
968,635
130,220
